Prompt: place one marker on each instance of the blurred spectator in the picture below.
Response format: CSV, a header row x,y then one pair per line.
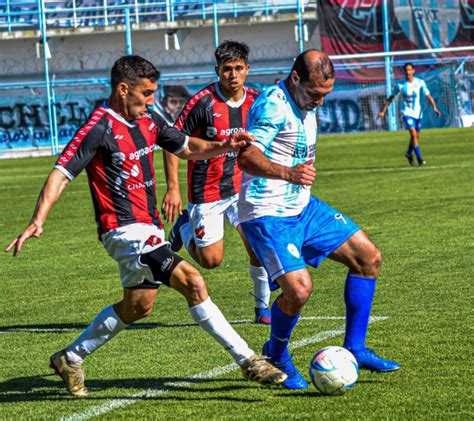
x,y
175,96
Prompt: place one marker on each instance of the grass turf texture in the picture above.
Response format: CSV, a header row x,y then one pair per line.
x,y
421,218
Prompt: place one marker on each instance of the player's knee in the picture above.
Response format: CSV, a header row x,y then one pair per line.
x,y
299,295
210,262
195,287
372,262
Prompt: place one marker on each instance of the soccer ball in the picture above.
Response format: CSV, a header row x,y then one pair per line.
x,y
333,370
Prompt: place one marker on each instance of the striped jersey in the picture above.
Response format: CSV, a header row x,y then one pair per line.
x,y
411,96
211,116
287,136
118,157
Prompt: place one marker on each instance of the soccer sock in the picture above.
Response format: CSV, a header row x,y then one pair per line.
x,y
261,288
280,332
410,150
209,317
186,234
358,296
418,153
104,327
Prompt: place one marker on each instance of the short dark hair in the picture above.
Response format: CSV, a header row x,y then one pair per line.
x,y
132,68
322,66
406,65
232,51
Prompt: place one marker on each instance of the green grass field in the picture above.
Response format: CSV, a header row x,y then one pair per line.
x,y
421,218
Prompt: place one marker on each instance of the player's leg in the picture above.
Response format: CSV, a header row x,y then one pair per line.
x,y
410,126
363,259
189,283
417,149
277,246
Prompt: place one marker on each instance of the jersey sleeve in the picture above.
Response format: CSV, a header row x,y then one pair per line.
x,y
191,117
397,89
77,154
265,119
169,137
424,88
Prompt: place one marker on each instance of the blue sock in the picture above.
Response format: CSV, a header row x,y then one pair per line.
x,y
358,295
281,328
418,153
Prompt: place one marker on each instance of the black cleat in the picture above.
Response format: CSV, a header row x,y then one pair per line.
x,y
410,159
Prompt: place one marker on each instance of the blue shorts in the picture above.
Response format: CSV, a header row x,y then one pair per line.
x,y
286,244
412,123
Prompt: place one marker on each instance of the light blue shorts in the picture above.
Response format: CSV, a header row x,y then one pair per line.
x,y
286,244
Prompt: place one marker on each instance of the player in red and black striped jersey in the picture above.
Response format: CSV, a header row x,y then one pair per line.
x,y
116,148
214,114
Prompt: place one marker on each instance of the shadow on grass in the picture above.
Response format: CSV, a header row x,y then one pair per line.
x,y
66,327
50,388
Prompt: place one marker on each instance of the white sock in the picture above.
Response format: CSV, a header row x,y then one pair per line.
x,y
186,234
104,327
210,318
261,288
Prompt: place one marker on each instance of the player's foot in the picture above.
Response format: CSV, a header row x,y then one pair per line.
x,y
369,360
295,380
175,234
71,373
263,316
421,162
411,161
257,368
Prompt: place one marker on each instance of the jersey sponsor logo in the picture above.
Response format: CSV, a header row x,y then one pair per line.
x,y
304,151
200,233
293,250
145,184
153,240
135,170
211,132
152,128
231,130
141,152
118,158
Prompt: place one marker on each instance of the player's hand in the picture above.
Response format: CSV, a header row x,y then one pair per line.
x,y
172,205
437,112
304,174
381,115
32,230
239,140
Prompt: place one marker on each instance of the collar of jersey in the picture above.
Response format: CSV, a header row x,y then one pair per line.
x,y
117,116
227,101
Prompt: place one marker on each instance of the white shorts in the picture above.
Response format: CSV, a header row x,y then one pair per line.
x,y
207,220
126,244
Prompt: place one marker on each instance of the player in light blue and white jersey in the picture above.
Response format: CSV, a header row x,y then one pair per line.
x,y
288,228
411,89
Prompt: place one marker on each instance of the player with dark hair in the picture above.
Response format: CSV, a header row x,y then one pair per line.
x,y
116,148
290,229
411,90
214,113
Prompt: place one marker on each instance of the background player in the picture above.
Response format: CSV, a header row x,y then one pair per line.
x,y
290,229
116,148
412,113
214,114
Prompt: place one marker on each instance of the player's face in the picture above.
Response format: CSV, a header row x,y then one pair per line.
x,y
310,94
409,72
138,97
232,75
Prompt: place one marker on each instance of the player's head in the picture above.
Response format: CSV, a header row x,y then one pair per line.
x,y
232,65
311,79
133,81
409,70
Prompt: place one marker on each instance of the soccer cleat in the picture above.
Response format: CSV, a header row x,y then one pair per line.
x,y
410,159
175,234
72,374
295,380
263,316
257,368
421,162
369,360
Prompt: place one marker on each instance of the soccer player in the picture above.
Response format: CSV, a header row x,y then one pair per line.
x,y
411,90
290,229
214,113
116,148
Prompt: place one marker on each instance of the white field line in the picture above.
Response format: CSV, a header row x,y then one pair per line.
x,y
145,325
205,375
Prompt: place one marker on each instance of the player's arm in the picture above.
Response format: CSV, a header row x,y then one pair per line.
x,y
433,104
386,105
172,204
50,193
199,149
253,161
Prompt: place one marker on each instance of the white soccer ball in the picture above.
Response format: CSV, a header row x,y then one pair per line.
x,y
333,370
